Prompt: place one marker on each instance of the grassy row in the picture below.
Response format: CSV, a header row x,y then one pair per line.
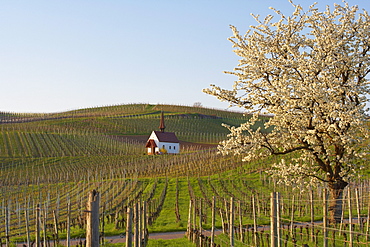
x,y
17,144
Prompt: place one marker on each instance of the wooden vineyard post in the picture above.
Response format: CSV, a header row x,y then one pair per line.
x,y
7,244
139,224
231,225
44,227
37,237
350,219
222,221
189,228
56,226
213,220
200,222
254,220
69,222
92,220
325,218
278,225
194,235
292,220
342,215
101,237
273,220
136,223
312,208
27,218
129,228
226,212
368,220
358,206
240,221
144,219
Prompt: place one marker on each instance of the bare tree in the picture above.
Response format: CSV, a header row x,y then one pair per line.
x,y
197,104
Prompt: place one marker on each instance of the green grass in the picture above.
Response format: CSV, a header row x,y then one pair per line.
x,y
167,222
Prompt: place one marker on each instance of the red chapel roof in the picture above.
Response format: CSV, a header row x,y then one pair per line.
x,y
166,137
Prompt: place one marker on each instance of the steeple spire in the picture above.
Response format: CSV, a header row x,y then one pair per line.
x,y
161,123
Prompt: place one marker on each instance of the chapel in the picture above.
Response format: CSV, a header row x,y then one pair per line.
x,y
161,142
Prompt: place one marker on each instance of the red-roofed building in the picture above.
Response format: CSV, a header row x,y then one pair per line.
x,y
162,142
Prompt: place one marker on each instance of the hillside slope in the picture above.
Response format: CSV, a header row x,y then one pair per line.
x,y
191,124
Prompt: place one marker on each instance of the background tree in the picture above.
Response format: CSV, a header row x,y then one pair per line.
x,y
197,104
309,71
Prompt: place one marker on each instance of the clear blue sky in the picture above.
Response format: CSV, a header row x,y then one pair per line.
x,y
62,55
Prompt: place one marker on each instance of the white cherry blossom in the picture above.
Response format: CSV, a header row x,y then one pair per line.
x,y
308,70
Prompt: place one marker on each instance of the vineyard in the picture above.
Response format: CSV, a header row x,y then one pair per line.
x,y
50,163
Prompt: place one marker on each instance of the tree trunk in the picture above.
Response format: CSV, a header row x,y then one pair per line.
x,y
336,200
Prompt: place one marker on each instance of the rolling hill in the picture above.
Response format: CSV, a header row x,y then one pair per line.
x,y
51,160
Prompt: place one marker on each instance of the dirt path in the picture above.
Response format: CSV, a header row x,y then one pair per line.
x,y
169,235
158,235
119,238
122,238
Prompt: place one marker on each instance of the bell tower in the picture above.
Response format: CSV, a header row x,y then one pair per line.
x,y
161,123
